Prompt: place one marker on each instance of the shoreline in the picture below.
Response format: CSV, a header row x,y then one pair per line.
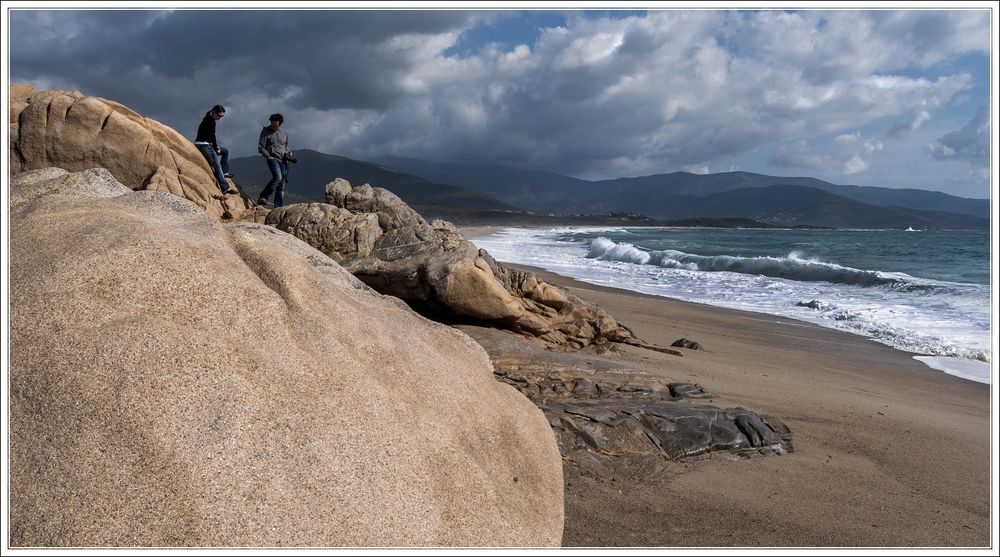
x,y
887,451
965,369
921,361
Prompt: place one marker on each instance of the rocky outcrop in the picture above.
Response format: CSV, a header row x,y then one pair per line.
x,y
178,381
368,230
685,343
629,420
69,130
600,408
390,247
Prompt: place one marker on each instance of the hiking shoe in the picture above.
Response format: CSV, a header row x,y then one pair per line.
x,y
262,202
228,175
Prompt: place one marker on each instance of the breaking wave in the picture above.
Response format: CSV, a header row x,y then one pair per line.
x,y
948,323
791,267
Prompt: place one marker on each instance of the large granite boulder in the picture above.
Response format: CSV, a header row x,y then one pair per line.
x,y
178,381
69,130
390,247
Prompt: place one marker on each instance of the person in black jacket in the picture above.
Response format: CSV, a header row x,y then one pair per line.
x,y
218,157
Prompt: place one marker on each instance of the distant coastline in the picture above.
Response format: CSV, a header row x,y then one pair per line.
x,y
477,218
488,195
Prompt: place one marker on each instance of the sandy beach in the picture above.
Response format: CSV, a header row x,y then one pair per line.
x,y
887,452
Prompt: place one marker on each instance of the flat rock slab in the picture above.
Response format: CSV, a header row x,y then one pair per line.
x,y
674,429
600,407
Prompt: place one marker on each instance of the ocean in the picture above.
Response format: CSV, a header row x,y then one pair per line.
x,y
925,292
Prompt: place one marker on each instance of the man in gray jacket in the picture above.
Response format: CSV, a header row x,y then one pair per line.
x,y
273,146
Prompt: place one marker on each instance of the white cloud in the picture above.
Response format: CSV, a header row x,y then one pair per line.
x,y
853,165
696,169
666,90
597,97
847,142
979,175
845,156
872,146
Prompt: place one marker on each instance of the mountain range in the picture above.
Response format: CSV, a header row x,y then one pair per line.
x,y
308,177
786,201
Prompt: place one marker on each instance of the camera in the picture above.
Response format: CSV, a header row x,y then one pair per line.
x,y
289,158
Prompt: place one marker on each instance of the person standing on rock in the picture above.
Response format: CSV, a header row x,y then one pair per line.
x,y
273,146
218,157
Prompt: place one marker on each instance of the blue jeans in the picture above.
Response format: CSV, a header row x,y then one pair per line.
x,y
219,167
279,177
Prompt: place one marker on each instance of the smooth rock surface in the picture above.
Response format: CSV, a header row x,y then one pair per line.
x,y
75,132
176,381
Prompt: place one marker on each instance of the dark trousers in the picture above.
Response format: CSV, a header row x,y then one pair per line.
x,y
219,166
279,177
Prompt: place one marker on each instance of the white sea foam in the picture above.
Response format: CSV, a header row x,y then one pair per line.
x,y
793,266
972,370
945,320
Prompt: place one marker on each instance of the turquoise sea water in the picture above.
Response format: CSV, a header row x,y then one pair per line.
x,y
926,292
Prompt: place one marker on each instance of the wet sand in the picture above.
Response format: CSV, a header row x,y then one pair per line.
x,y
887,451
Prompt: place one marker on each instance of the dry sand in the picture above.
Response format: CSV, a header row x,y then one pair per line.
x,y
887,452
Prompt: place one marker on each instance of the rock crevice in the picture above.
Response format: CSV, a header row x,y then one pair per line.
x,y
390,247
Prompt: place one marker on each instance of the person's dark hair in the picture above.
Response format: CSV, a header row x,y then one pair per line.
x,y
276,116
217,108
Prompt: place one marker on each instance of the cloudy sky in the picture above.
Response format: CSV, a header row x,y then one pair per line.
x,y
880,98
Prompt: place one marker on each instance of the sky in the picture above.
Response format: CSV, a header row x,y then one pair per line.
x,y
892,97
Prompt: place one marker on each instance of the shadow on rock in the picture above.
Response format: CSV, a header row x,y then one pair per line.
x,y
389,246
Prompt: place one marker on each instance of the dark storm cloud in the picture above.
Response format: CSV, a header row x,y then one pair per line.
x,y
970,143
173,66
336,59
596,96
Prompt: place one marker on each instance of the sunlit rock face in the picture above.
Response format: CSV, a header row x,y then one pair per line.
x,y
75,132
389,246
179,381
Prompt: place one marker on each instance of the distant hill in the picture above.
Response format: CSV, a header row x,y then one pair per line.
x,y
532,190
513,218
309,176
789,205
706,184
470,191
546,191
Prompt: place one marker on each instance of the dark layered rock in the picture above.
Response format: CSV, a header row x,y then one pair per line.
x,y
602,408
671,428
431,266
685,343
